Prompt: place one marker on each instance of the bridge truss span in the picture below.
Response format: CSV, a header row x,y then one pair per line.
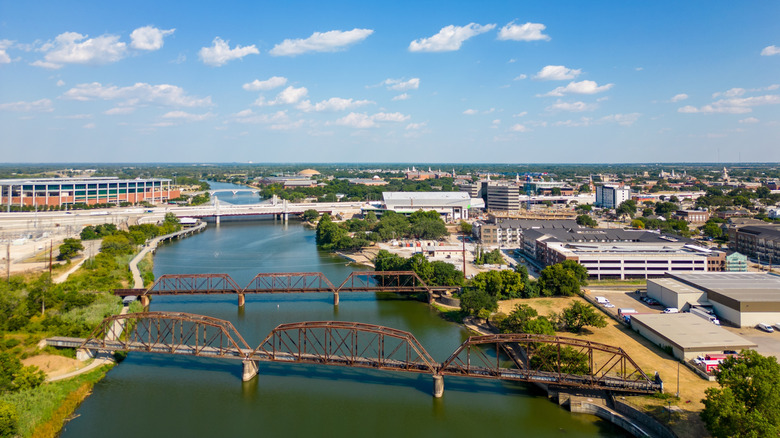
x,y
383,281
551,360
289,282
176,284
346,344
168,332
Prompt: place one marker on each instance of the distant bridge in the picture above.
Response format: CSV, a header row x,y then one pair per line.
x,y
285,282
518,357
281,209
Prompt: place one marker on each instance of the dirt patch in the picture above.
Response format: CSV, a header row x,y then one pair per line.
x,y
647,355
54,365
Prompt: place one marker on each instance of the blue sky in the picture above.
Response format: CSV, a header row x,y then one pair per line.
x,y
432,81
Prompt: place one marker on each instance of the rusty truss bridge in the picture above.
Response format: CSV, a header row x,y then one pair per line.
x,y
548,360
286,282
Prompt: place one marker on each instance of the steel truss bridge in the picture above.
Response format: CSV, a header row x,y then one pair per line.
x,y
548,360
287,282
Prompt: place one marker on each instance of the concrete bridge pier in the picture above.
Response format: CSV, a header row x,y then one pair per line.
x,y
430,297
438,385
250,370
145,301
217,219
84,355
335,298
241,300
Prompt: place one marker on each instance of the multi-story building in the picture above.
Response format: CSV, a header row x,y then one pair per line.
x,y
736,262
451,205
761,242
692,216
69,191
611,195
503,197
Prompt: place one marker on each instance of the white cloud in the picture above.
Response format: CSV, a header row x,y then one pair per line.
x,y
75,48
520,77
402,85
679,97
621,119
734,92
75,117
362,120
357,120
288,96
449,38
521,114
749,120
333,104
220,52
557,73
120,110
249,116
149,38
39,106
331,41
89,126
189,117
139,93
770,51
403,96
470,112
582,87
572,106
4,57
268,84
523,32
390,117
739,105
518,128
60,83
415,126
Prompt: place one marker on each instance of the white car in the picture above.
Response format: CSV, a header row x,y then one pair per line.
x,y
671,310
609,305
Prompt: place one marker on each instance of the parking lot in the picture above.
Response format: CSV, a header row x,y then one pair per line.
x,y
622,299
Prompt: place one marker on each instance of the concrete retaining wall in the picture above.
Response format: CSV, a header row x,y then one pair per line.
x,y
647,422
580,405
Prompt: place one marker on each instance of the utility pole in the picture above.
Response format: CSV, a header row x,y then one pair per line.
x,y
464,256
51,249
8,261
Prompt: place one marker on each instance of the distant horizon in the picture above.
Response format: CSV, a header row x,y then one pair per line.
x,y
399,163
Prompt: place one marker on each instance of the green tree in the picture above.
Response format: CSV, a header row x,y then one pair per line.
x,y
310,215
117,244
548,358
69,249
562,279
473,301
626,208
639,225
525,319
9,420
664,208
586,221
466,228
579,315
711,229
747,404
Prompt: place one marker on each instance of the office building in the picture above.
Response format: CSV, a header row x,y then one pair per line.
x,y
69,191
610,195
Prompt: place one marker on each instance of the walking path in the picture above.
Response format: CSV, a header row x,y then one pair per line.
x,y
138,282
91,247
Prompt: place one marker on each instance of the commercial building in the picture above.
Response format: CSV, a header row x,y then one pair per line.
x,y
736,262
503,197
69,191
692,216
687,335
611,195
744,299
760,242
509,232
451,205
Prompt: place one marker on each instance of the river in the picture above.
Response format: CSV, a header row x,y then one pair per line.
x,y
159,395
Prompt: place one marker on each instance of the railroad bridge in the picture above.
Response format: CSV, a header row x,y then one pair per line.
x,y
285,282
548,360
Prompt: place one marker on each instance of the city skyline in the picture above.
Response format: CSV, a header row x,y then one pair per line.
x,y
504,82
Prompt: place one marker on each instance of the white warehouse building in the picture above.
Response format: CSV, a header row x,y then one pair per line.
x,y
744,299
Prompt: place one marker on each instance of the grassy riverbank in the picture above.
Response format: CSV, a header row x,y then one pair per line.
x,y
44,410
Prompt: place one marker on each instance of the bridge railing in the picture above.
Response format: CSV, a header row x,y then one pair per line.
x,y
289,282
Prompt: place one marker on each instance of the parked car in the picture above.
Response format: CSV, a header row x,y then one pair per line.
x,y
609,305
766,327
671,310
